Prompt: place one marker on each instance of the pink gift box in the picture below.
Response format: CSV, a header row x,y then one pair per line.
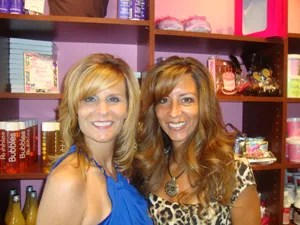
x,y
293,150
293,127
261,18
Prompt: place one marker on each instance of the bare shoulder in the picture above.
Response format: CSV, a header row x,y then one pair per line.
x,y
67,175
65,185
246,209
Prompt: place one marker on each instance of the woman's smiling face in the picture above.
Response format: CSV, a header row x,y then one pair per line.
x,y
178,113
102,115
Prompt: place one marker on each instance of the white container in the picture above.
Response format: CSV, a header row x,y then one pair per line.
x,y
286,209
297,208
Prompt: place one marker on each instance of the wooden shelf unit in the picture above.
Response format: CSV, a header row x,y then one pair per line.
x,y
261,116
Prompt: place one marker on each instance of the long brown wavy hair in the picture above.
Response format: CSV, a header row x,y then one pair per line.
x,y
208,152
94,73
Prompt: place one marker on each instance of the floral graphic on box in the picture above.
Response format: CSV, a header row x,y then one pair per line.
x,y
40,72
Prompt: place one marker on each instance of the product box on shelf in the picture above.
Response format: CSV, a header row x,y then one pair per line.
x,y
261,18
40,72
293,76
34,6
222,73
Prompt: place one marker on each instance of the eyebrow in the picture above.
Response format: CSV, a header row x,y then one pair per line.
x,y
188,93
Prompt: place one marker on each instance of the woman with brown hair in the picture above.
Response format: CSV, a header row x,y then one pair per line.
x,y
185,164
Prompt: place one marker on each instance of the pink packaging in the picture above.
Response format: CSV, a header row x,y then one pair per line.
x,y
293,127
293,149
261,18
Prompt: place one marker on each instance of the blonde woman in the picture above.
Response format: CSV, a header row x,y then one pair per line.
x,y
98,115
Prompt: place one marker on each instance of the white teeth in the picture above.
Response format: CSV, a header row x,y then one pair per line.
x,y
102,124
176,125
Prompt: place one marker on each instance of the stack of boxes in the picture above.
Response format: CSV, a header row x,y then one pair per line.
x,y
12,65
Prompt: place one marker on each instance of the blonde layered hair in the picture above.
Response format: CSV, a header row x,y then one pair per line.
x,y
87,77
208,153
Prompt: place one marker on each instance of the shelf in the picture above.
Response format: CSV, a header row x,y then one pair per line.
x,y
294,43
249,99
216,36
65,28
291,165
72,19
33,96
293,35
259,167
7,95
293,100
34,171
209,43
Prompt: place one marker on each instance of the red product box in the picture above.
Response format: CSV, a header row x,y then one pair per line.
x,y
261,18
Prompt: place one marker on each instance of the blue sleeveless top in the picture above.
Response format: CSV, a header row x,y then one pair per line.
x,y
128,206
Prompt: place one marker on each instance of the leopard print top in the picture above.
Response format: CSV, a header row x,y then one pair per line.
x,y
164,212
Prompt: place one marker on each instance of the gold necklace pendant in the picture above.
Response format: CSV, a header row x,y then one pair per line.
x,y
171,188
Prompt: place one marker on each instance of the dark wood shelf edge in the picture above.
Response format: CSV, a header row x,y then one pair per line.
x,y
291,165
293,35
6,95
231,37
261,167
34,171
24,176
249,99
75,19
293,100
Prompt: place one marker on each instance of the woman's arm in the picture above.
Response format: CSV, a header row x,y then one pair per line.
x,y
63,199
246,209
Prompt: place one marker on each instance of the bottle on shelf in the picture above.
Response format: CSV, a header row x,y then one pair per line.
x,y
13,141
291,197
12,192
26,206
33,208
16,217
2,147
33,126
297,208
60,149
48,142
22,145
286,208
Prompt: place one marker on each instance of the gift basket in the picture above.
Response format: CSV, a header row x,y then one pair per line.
x,y
255,149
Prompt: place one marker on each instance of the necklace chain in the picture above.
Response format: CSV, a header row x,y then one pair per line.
x,y
171,187
168,166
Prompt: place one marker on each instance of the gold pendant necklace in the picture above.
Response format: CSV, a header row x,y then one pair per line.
x,y
171,187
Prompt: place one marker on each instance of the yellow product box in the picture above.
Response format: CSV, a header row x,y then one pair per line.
x,y
293,76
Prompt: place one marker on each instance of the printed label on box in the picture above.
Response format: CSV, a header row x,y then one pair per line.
x,y
40,72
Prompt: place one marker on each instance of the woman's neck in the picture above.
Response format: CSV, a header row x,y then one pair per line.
x,y
103,154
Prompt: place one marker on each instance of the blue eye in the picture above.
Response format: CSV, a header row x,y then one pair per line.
x,y
90,99
113,99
